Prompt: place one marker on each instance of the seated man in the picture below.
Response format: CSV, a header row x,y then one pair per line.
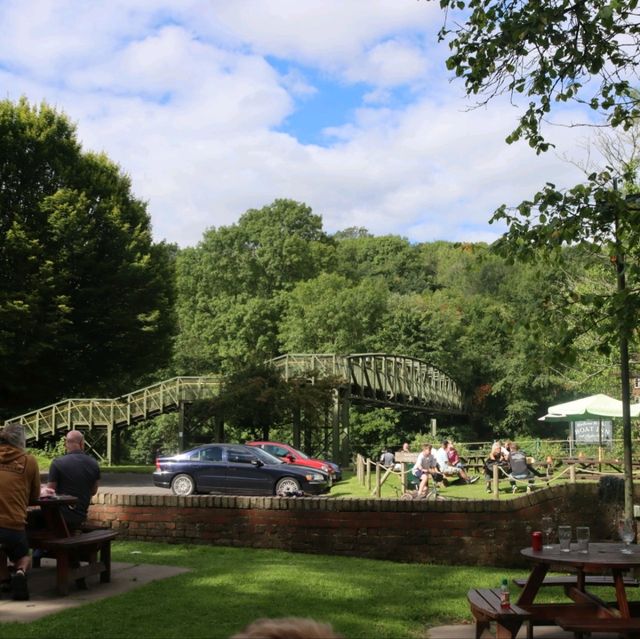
x,y
442,458
77,474
19,487
519,467
387,459
426,466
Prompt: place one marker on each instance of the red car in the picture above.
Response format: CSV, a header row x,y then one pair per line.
x,y
293,456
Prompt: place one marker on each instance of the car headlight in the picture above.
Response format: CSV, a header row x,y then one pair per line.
x,y
314,477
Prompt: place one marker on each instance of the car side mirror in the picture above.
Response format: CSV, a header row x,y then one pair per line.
x,y
290,458
257,462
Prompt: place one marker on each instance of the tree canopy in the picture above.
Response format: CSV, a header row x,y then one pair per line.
x,y
549,52
86,297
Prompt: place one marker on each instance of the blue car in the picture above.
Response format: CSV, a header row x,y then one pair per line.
x,y
238,470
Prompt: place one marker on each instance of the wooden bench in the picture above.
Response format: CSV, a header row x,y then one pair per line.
x,y
626,627
91,548
485,608
572,580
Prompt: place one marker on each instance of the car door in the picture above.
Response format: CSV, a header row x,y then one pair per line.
x,y
212,470
244,475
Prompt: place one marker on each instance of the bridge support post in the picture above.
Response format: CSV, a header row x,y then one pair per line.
x,y
109,438
340,448
296,427
181,425
117,449
218,422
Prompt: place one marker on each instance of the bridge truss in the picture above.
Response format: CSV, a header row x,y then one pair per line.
x,y
397,381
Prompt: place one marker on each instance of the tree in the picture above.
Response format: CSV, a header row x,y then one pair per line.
x,y
331,315
86,297
550,52
231,287
554,51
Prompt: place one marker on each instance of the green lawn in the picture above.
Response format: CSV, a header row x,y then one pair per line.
x,y
229,587
351,487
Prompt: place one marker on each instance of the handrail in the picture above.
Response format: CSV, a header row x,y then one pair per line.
x,y
125,410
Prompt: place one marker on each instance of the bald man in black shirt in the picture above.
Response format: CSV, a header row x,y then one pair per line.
x,y
77,474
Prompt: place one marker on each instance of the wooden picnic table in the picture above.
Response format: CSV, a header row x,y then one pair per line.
x,y
78,554
587,611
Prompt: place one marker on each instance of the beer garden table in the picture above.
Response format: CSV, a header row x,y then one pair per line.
x,y
587,609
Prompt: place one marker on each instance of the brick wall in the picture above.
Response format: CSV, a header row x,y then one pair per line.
x,y
482,532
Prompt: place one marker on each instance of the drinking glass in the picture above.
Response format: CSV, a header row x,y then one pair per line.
x,y
564,537
547,529
582,537
626,529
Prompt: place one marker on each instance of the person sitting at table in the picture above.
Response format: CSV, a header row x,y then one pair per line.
x,y
77,474
442,458
19,487
496,456
386,458
519,467
426,466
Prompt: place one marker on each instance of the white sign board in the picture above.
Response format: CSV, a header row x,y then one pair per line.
x,y
588,432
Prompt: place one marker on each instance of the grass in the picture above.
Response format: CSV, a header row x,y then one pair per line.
x,y
230,587
391,489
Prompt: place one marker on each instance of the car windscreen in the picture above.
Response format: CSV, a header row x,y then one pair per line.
x,y
266,457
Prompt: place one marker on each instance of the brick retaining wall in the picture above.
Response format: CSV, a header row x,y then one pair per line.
x,y
476,532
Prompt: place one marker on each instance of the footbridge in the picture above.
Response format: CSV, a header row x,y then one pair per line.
x,y
396,381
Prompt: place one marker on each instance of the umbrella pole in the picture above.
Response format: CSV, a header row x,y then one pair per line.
x,y
623,332
599,445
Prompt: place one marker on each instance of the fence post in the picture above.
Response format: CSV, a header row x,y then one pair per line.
x,y
496,481
572,474
403,477
368,473
378,487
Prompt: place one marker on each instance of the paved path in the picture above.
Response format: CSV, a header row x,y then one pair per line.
x,y
130,484
45,600
467,631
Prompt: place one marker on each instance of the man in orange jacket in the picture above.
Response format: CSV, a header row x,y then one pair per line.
x,y
19,487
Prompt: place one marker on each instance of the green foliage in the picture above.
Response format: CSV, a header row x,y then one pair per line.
x,y
329,314
149,439
86,298
230,287
373,430
549,52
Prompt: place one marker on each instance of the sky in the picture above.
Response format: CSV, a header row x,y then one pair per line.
x,y
214,107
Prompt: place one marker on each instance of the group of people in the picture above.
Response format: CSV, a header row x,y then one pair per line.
x,y
75,473
437,465
445,462
513,460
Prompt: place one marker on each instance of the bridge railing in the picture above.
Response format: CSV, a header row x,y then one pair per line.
x,y
324,364
125,410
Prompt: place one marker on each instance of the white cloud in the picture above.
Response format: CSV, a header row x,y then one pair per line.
x,y
183,97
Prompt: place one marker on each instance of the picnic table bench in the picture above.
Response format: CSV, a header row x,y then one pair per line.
x,y
78,556
589,580
485,608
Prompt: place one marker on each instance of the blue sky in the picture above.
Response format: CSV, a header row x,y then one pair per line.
x,y
214,107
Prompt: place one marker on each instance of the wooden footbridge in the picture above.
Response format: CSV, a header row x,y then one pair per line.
x,y
373,378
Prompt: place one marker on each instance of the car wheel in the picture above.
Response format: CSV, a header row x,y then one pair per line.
x,y
287,485
183,485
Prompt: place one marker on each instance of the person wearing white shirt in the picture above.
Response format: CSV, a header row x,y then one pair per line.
x,y
425,467
443,462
